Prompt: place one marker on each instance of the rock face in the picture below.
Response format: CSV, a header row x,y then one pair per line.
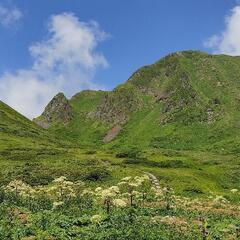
x,y
57,111
112,133
117,105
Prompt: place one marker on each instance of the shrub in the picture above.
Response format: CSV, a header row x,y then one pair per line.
x,y
35,180
131,153
90,152
98,174
136,161
2,195
161,164
193,190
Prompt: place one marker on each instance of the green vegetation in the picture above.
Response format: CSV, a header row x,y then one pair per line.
x,y
178,120
135,208
186,101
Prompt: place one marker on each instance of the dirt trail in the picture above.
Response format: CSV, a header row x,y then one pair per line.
x,y
154,181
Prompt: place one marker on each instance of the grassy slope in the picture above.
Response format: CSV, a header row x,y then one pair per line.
x,y
22,141
207,151
194,83
201,110
82,130
30,153
208,79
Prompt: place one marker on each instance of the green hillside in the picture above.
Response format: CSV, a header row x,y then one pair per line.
x,y
186,101
36,156
194,104
22,142
156,157
16,129
177,118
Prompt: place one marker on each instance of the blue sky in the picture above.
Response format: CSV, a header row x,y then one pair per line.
x,y
126,35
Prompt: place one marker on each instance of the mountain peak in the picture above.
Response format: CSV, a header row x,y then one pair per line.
x,y
60,95
57,111
160,105
188,53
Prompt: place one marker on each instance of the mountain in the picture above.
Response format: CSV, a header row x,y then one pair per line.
x,y
177,118
57,111
187,100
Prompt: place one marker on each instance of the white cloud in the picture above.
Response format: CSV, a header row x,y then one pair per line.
x,y
228,41
9,16
66,61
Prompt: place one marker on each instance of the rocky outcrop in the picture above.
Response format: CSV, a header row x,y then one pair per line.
x,y
57,111
117,105
112,133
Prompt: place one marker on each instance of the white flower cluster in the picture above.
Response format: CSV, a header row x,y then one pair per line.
x,y
119,195
234,190
134,182
59,189
220,200
20,188
129,191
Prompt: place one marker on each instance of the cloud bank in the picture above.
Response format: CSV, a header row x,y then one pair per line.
x,y
66,61
228,41
9,16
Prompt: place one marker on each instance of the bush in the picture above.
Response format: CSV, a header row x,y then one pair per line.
x,y
162,164
143,161
35,180
97,174
193,190
131,153
2,195
90,152
172,164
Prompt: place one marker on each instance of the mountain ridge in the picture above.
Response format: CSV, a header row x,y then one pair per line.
x,y
176,92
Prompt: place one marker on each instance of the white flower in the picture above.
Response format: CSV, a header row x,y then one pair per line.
x,y
158,193
119,203
156,219
220,199
126,179
21,188
98,189
87,192
96,218
69,183
136,193
106,193
234,190
57,204
121,183
126,195
114,189
60,179
72,194
133,185
145,177
137,178
139,182
153,189
79,184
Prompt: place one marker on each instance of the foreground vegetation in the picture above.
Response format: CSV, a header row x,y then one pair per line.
x,y
135,208
177,120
